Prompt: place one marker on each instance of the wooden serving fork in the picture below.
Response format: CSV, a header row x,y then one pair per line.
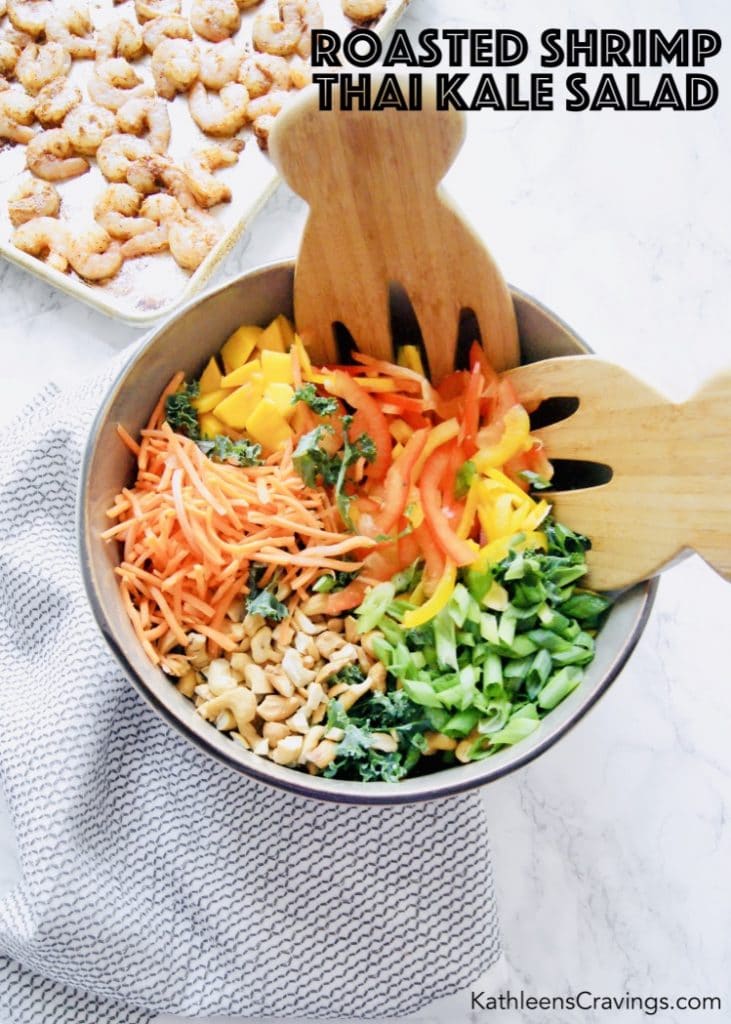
x,y
670,488
378,218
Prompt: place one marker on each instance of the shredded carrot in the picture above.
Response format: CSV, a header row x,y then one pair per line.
x,y
190,527
128,440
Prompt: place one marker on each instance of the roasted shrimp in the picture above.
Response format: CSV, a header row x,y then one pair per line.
x,y
17,113
114,82
50,155
117,152
362,11
45,238
215,20
207,189
33,198
219,64
219,114
146,10
55,100
39,65
88,126
170,26
73,28
117,210
263,71
175,66
94,255
30,15
191,240
160,211
149,114
121,38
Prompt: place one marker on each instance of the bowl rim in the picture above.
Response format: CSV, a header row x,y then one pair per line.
x,y
416,789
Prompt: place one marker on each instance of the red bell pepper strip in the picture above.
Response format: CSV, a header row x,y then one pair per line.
x,y
408,550
471,417
432,555
431,487
369,415
453,385
345,599
398,482
478,358
400,403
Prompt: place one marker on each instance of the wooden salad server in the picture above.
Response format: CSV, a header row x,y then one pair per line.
x,y
378,217
670,488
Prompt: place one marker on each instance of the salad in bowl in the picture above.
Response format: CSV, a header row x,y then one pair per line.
x,y
347,570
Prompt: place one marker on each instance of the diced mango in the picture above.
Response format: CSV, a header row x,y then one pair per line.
x,y
281,395
210,425
276,366
267,426
410,357
242,375
304,359
239,405
239,347
210,379
303,418
205,403
278,336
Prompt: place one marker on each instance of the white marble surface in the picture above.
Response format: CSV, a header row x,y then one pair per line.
x,y
611,851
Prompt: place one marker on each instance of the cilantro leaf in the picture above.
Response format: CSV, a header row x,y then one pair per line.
x,y
180,414
224,449
319,405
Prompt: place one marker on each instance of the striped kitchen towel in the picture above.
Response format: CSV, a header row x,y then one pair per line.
x,y
155,880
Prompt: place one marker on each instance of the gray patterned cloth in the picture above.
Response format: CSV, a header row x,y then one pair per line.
x,y
154,879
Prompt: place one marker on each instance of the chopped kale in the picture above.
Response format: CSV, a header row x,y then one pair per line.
x,y
319,405
223,449
316,465
262,600
179,412
391,713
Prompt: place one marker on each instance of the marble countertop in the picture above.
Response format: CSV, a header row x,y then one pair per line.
x,y
612,850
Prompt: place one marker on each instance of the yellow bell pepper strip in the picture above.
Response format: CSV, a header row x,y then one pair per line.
x,y
456,549
496,550
468,516
515,440
500,478
443,432
410,357
536,516
418,616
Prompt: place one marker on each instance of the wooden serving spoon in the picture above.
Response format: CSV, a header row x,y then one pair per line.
x,y
377,217
670,489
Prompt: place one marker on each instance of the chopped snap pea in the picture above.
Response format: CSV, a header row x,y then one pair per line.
x,y
509,645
